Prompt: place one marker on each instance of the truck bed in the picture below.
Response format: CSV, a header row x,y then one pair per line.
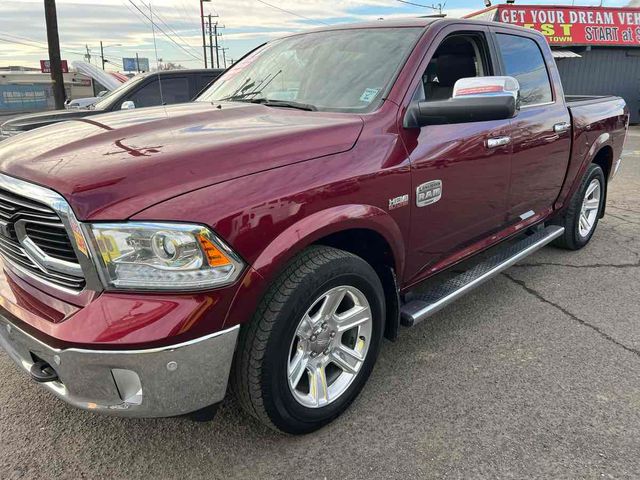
x,y
583,100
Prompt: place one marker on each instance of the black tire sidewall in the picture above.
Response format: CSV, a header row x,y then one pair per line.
x,y
285,412
573,225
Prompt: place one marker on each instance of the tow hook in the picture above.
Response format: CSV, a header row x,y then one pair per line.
x,y
42,372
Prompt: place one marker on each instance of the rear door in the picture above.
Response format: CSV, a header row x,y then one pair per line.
x,y
460,184
541,133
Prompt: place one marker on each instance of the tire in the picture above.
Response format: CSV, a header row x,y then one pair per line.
x,y
271,343
575,236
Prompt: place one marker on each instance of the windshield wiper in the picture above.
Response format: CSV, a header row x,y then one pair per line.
x,y
285,104
238,97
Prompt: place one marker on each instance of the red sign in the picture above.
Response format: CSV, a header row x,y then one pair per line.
x,y
573,25
45,66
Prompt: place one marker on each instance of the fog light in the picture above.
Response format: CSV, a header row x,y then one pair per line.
x,y
128,385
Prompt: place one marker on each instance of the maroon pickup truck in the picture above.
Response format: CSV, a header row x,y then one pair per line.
x,y
270,234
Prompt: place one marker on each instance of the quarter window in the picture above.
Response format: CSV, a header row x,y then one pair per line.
x,y
523,60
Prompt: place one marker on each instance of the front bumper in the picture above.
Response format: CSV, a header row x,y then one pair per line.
x,y
159,382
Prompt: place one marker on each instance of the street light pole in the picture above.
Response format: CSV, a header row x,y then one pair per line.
x,y
104,62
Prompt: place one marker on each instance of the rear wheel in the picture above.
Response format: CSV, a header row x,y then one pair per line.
x,y
582,216
312,343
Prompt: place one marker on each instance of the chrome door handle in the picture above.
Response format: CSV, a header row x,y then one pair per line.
x,y
561,127
498,142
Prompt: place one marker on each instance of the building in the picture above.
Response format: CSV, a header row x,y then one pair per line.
x,y
597,49
29,90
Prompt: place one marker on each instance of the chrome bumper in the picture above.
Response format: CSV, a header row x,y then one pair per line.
x,y
159,382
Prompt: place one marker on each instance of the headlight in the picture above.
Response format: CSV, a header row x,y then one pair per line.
x,y
161,256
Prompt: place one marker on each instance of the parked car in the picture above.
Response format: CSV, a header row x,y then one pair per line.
x,y
75,103
278,227
144,90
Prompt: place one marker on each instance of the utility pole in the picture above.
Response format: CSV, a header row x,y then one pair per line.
x,y
204,41
224,56
211,40
137,63
102,54
217,47
55,62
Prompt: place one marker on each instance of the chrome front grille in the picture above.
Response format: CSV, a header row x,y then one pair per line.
x,y
44,228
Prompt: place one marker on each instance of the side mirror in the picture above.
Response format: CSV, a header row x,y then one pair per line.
x,y
128,105
478,99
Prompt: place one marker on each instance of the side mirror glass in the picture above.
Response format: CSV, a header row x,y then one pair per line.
x,y
128,105
478,99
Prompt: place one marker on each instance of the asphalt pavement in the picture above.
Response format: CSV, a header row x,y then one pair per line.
x,y
534,375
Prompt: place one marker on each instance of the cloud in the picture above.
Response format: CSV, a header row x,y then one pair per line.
x,y
83,24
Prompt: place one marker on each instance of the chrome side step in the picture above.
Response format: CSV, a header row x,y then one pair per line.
x,y
425,304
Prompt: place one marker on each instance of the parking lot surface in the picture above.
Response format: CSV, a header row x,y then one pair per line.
x,y
536,374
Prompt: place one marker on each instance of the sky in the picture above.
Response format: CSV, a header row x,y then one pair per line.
x,y
126,30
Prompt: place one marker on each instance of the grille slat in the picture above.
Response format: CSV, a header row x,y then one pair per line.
x,y
45,229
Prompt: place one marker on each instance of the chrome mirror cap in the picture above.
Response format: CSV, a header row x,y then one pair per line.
x,y
482,87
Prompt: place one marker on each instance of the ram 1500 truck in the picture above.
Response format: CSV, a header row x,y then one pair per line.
x,y
270,234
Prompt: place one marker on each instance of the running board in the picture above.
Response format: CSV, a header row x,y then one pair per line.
x,y
425,304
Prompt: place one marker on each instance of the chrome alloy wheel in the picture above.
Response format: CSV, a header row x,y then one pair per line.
x,y
590,208
329,347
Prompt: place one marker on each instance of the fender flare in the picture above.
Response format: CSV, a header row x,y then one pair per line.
x,y
326,222
601,142
598,144
305,232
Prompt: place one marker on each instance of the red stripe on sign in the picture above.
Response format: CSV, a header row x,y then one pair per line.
x,y
477,90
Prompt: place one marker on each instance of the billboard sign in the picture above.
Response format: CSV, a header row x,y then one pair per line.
x,y
25,97
566,25
135,64
45,66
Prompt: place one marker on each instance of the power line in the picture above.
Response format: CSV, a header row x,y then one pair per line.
x,y
155,12
292,13
41,45
164,33
433,7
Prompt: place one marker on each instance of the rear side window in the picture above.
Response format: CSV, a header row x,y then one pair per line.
x,y
523,60
175,90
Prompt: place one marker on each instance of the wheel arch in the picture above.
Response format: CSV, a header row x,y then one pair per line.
x,y
364,230
604,158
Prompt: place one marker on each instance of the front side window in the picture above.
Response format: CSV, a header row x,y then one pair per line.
x,y
115,96
459,56
344,70
148,95
523,60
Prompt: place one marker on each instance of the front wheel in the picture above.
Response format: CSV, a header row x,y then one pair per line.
x,y
313,342
585,208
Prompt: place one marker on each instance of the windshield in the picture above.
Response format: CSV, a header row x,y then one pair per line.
x,y
344,71
109,99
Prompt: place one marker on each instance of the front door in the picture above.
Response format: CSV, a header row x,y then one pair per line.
x,y
460,182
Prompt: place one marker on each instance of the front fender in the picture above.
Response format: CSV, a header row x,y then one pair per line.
x,y
327,222
299,236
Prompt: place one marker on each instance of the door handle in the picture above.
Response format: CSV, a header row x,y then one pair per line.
x,y
498,142
561,127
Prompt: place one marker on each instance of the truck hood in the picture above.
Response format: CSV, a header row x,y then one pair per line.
x,y
112,166
36,120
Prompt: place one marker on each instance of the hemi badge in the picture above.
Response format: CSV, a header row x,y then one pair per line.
x,y
401,201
